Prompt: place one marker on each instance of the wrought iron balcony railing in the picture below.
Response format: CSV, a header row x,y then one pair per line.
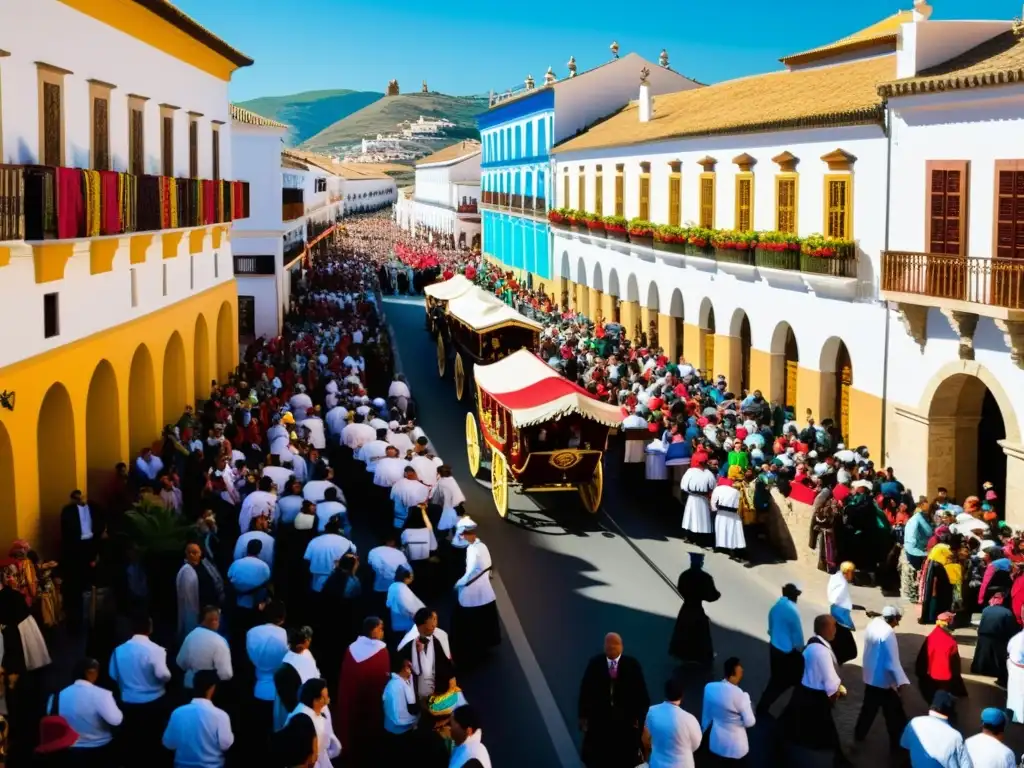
x,y
996,282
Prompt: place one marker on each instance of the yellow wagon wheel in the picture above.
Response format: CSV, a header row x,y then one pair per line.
x,y
591,491
441,361
472,444
499,483
460,376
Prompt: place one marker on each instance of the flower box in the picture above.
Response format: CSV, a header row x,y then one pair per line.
x,y
734,255
776,259
557,219
837,265
670,246
595,228
640,238
616,233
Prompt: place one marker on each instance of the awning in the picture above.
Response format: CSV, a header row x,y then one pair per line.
x,y
449,289
481,311
535,393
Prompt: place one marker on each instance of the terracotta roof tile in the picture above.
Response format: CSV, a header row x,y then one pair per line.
x,y
451,154
243,115
882,32
843,94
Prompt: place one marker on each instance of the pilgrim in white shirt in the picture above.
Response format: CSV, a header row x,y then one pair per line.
x,y
90,711
150,468
385,561
881,660
407,493
675,736
403,604
322,553
204,649
389,470
371,453
820,668
931,740
480,592
266,645
728,713
257,504
419,543
989,752
266,554
399,696
472,747
139,667
330,746
280,476
199,734
315,490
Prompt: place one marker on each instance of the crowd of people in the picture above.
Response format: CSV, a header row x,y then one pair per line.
x,y
321,537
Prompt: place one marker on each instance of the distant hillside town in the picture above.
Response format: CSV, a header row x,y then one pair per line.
x,y
404,144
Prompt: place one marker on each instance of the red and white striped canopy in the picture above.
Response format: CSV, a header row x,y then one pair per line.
x,y
534,392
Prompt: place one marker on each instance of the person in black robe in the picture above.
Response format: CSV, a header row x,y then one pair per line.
x,y
426,632
613,703
995,630
691,638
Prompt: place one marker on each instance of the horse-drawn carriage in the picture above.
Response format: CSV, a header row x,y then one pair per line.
x,y
478,329
543,432
439,294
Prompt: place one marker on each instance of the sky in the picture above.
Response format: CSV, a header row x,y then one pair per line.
x,y
463,48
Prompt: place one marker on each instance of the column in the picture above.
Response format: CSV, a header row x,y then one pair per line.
x,y
667,336
729,360
808,394
693,345
629,314
646,317
593,303
1014,500
607,307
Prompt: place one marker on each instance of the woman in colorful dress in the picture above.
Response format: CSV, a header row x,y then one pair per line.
x,y
937,586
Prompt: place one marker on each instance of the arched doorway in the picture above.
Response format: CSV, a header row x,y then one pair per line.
x,y
785,366
740,332
836,384
142,426
8,499
675,311
707,333
56,460
652,318
201,359
102,424
596,294
225,342
175,393
613,315
965,425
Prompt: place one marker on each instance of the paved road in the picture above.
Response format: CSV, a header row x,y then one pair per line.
x,y
571,577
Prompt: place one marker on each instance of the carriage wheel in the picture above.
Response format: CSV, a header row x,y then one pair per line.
x,y
591,491
460,376
499,483
472,444
441,361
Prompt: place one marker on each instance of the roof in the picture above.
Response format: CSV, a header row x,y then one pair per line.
x,y
842,94
451,154
535,393
997,61
243,115
359,172
293,164
195,30
483,312
884,32
449,289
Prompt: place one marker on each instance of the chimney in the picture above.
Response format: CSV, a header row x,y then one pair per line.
x,y
646,105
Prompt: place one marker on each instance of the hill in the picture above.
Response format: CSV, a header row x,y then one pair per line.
x,y
310,112
384,115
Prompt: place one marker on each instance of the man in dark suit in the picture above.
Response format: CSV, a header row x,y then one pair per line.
x,y
612,707
81,529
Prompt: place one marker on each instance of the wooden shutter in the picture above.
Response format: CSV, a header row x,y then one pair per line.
x,y
565,190
837,196
744,193
51,124
138,166
674,185
100,134
947,208
785,204
645,197
193,149
599,195
707,200
1009,224
216,152
582,190
167,145
620,194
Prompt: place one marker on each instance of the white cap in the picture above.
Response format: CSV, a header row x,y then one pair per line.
x,y
393,426
465,524
891,612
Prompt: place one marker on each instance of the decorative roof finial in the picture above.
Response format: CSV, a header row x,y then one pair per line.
x,y
549,76
922,11
663,58
614,47
529,82
644,74
1018,27
572,66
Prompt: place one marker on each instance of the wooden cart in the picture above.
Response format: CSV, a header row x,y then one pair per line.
x,y
439,294
479,329
543,432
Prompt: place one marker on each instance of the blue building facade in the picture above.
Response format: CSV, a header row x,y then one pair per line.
x,y
516,138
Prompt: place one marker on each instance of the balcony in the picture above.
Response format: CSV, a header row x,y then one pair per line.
x,y
293,204
292,251
509,203
468,208
254,265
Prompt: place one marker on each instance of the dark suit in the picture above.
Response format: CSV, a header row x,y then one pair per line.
x,y
614,711
76,558
444,669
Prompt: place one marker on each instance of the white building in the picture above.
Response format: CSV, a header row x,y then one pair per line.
x,y
851,140
447,195
117,311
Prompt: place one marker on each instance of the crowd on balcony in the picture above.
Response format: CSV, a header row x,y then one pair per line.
x,y
275,567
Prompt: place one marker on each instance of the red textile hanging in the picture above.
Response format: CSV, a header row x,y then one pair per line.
x,y
165,202
110,204
239,202
70,203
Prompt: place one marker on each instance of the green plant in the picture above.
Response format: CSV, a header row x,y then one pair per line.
x,y
731,239
641,228
778,241
820,246
573,216
615,223
592,220
700,236
668,233
156,530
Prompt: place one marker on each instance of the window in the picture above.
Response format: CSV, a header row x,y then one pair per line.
x,y
1009,204
167,139
838,208
620,191
51,315
645,196
247,316
542,137
744,202
785,203
215,144
599,192
529,139
947,207
136,135
565,188
165,279
51,114
582,189
134,287
707,200
193,146
99,95
675,193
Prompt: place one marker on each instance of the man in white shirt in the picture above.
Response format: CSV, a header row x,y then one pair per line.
x,y
399,439
149,467
400,391
373,451
336,418
883,677
932,740
468,738
390,469
257,532
300,402
807,721
249,576
91,712
407,492
280,474
401,713
266,646
357,432
331,507
205,649
671,734
728,714
139,667
324,551
315,426
199,733
987,749
316,491
385,560
261,502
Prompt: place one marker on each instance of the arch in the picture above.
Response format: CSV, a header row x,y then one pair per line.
x,y
632,289
201,359
597,280
142,426
175,392
785,363
613,283
836,377
56,459
581,272
8,498
968,419
706,315
739,329
653,297
225,342
102,422
675,305
564,269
